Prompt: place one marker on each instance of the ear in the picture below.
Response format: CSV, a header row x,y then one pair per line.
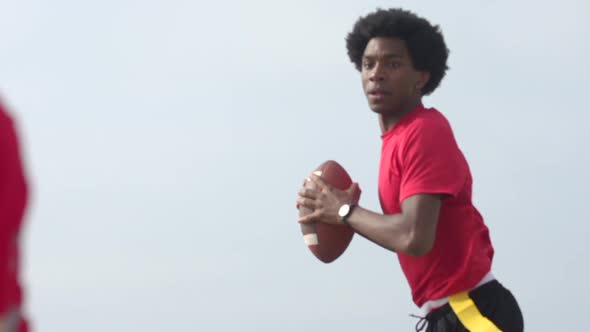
x,y
423,77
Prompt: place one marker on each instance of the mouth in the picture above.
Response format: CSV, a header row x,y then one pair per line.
x,y
377,94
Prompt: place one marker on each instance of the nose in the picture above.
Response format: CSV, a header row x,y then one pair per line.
x,y
377,74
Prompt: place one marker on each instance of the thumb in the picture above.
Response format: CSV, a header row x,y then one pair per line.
x,y
355,192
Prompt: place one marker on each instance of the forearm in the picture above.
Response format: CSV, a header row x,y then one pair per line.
x,y
392,232
388,231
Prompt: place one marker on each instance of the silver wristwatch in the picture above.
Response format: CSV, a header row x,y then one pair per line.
x,y
344,212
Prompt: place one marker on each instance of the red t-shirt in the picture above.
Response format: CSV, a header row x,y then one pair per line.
x,y
13,199
419,155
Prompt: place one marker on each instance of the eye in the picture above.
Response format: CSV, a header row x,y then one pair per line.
x,y
394,64
366,64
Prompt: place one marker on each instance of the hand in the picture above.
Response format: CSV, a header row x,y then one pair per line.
x,y
325,201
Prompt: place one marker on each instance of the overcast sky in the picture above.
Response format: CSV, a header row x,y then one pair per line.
x,y
165,142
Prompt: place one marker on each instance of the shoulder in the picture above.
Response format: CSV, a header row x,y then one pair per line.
x,y
430,119
428,126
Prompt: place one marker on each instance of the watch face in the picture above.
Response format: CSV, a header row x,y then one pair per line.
x,y
343,211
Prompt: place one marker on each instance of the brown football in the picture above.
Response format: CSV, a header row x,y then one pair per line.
x,y
326,241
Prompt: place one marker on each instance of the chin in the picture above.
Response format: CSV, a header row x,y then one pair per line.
x,y
379,108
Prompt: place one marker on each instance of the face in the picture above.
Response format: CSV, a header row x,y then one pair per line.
x,y
390,81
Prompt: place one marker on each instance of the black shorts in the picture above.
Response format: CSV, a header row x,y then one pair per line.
x,y
493,301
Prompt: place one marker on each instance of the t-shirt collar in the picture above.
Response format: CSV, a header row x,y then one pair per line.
x,y
404,119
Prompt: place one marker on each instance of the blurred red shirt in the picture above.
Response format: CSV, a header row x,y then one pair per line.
x,y
13,201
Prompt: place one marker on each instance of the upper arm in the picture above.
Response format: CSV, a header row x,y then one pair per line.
x,y
420,213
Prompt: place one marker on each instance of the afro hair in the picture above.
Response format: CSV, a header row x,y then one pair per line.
x,y
425,42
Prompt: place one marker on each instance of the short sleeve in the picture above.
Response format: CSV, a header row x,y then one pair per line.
x,y
431,161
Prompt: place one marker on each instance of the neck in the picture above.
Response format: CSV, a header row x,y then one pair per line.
x,y
387,121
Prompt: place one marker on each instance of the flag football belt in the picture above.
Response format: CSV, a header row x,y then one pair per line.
x,y
465,309
467,312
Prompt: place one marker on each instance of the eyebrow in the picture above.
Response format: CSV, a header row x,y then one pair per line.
x,y
388,55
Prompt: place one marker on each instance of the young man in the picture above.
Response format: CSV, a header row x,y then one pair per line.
x,y
13,198
425,183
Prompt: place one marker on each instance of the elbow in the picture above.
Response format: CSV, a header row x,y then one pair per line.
x,y
418,246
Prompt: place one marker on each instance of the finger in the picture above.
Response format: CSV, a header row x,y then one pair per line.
x,y
319,182
355,191
307,202
310,218
305,181
297,205
353,188
308,193
308,179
